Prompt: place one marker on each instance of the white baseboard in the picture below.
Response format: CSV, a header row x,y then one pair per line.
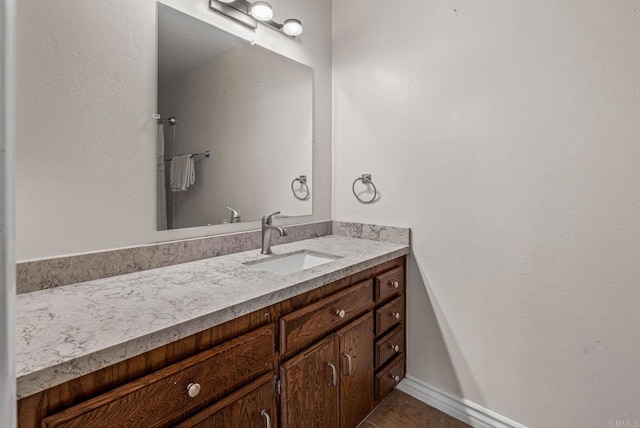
x,y
462,409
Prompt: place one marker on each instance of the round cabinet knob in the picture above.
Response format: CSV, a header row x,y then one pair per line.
x,y
193,389
396,379
395,284
396,315
341,313
396,348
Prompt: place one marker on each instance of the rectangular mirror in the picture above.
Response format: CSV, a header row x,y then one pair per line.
x,y
235,131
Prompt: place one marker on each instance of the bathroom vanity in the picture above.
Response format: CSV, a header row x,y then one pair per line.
x,y
326,350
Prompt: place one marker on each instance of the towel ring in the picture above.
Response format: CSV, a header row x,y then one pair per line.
x,y
366,179
303,182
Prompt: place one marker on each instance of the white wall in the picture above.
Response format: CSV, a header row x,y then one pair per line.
x,y
252,109
86,94
507,136
7,265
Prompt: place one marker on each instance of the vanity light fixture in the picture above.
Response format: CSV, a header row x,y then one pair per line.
x,y
249,14
261,10
292,27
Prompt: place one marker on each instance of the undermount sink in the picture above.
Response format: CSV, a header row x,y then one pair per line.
x,y
285,264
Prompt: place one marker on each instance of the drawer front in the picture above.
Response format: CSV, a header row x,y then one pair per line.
x,y
252,406
389,315
303,326
389,377
389,284
389,346
159,398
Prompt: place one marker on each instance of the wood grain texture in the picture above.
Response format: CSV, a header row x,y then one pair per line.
x,y
386,378
356,371
302,327
384,284
33,409
385,347
313,296
242,409
386,315
307,398
160,397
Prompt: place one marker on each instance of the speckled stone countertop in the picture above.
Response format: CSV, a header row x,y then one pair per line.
x,y
66,332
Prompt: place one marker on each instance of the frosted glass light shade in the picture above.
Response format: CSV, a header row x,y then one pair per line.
x,y
261,10
292,27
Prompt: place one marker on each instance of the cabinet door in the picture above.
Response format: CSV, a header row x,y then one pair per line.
x,y
253,406
309,390
356,371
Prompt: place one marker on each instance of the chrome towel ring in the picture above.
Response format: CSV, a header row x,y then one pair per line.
x,y
366,179
303,184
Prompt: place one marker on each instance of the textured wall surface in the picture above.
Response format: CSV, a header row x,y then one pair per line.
x,y
87,92
507,136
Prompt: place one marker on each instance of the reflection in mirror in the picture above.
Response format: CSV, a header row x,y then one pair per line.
x,y
235,129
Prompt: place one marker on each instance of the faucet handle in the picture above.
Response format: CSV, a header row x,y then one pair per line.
x,y
267,219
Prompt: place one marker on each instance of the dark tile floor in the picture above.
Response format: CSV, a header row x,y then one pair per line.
x,y
400,410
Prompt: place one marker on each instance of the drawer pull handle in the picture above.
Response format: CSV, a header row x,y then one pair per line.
x,y
394,284
266,417
334,375
348,357
193,389
396,348
396,315
341,313
395,378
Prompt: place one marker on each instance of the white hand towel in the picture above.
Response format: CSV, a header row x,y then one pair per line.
x,y
191,172
183,173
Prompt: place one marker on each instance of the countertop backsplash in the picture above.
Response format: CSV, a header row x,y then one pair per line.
x,y
65,270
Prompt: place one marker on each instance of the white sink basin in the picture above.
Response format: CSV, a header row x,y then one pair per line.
x,y
293,262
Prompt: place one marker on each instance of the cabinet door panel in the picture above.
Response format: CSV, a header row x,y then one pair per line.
x,y
309,391
389,346
356,371
389,377
389,315
389,284
249,407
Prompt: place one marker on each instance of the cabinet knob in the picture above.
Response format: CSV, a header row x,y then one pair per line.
x,y
396,315
341,313
396,379
395,284
193,389
396,348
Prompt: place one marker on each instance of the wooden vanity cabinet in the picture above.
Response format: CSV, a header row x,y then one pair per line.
x,y
331,381
158,399
58,404
253,406
324,358
390,314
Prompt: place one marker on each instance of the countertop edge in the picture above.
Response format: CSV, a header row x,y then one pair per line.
x,y
43,379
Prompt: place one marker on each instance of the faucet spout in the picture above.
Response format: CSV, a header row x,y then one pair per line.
x,y
267,228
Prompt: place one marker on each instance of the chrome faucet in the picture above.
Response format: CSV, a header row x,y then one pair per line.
x,y
235,217
267,227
